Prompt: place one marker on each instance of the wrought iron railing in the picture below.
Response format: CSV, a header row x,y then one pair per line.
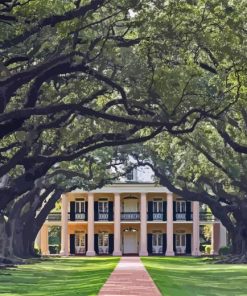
x,y
184,216
130,216
207,217
157,216
103,216
80,216
55,216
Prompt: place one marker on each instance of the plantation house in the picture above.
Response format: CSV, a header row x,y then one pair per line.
x,y
130,217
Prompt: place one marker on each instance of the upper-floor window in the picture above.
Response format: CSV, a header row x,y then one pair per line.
x,y
80,206
157,206
180,206
103,206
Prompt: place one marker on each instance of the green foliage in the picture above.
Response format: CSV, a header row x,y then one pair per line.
x,y
225,250
208,249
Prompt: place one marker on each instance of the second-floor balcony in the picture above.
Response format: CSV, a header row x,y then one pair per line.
x,y
158,216
205,216
80,216
103,216
183,216
130,216
55,216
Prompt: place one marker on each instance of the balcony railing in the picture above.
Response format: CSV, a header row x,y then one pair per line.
x,y
207,217
158,216
54,216
130,216
80,216
184,216
103,216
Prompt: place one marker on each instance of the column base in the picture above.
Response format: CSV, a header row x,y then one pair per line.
x,y
170,253
117,253
64,253
143,253
90,253
196,253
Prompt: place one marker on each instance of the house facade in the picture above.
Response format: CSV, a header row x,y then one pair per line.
x,y
130,218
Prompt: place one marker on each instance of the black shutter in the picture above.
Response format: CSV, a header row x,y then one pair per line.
x,y
96,243
150,211
174,243
86,211
95,211
111,243
164,243
72,211
164,210
72,243
188,210
110,217
174,211
86,242
150,243
188,243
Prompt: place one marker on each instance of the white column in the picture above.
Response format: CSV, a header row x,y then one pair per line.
x,y
38,240
169,226
143,247
64,229
44,240
117,225
223,236
90,226
196,229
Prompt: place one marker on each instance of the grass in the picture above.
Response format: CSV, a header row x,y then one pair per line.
x,y
68,276
185,276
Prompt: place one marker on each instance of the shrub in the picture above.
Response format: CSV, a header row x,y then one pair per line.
x,y
54,249
224,250
202,248
208,249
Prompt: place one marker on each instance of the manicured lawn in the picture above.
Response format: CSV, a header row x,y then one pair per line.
x,y
184,276
58,277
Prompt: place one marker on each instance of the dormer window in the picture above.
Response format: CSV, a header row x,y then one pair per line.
x,y
132,175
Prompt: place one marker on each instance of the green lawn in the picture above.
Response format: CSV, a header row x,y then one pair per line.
x,y
58,277
184,276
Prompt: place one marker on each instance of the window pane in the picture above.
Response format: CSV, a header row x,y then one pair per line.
x,y
183,240
177,240
160,207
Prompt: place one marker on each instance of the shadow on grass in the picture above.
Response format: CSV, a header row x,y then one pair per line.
x,y
183,276
70,276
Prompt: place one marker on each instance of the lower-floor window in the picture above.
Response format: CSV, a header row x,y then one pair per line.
x,y
180,243
80,243
103,243
157,243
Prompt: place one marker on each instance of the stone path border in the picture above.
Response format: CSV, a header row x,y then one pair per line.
x,y
130,278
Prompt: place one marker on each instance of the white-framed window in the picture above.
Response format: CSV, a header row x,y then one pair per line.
x,y
157,239
181,206
103,239
80,206
158,206
80,243
180,240
103,206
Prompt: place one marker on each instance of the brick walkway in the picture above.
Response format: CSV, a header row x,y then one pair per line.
x,y
129,278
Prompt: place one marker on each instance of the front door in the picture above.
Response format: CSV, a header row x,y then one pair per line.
x,y
157,243
180,243
130,242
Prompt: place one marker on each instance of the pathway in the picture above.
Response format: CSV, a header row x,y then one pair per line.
x,y
129,278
